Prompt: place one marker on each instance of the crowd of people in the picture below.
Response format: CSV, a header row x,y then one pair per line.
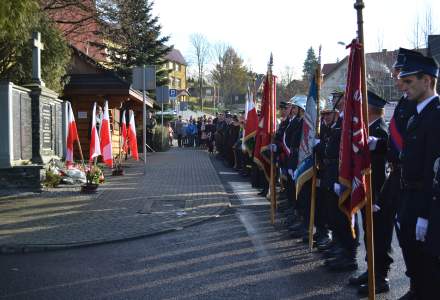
x,y
195,132
405,159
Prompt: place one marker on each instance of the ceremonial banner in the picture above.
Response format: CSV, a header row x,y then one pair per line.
x,y
304,171
124,133
95,149
354,155
132,140
251,124
266,127
72,135
106,142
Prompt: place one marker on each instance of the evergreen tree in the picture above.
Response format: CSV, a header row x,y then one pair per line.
x,y
230,75
25,17
310,64
134,37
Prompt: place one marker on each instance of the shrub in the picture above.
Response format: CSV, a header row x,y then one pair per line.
x,y
52,179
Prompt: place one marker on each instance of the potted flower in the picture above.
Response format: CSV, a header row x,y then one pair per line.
x,y
94,177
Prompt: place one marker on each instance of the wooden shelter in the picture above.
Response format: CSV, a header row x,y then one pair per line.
x,y
90,82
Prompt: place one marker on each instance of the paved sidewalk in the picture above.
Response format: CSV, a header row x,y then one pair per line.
x,y
181,188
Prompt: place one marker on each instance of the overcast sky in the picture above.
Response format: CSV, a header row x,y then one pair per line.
x,y
289,27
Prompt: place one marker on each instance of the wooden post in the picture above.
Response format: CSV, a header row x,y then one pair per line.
x,y
315,160
359,5
272,188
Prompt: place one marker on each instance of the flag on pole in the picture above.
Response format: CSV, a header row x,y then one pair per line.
x,y
124,133
95,150
354,155
106,142
304,171
251,124
72,135
132,137
266,126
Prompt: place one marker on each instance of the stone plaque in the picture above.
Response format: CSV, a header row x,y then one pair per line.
x,y
46,126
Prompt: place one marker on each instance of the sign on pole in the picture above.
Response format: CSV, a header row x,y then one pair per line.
x,y
147,73
173,94
162,94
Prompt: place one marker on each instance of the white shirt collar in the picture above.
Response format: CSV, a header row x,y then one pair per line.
x,y
424,103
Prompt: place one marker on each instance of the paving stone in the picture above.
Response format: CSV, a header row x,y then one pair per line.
x,y
180,188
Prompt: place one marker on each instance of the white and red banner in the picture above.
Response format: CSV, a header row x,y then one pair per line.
x,y
124,133
132,137
72,135
95,149
354,155
106,138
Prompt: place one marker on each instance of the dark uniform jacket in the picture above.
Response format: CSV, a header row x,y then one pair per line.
x,y
378,129
279,141
421,149
390,194
293,139
433,235
330,155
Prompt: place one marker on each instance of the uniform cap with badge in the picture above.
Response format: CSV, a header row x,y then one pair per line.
x,y
418,64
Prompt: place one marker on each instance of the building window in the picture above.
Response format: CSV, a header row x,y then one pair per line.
x,y
208,92
170,65
178,83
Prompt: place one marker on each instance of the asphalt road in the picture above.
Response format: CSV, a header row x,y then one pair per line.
x,y
238,255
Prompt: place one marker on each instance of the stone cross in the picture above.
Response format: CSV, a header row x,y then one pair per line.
x,y
37,46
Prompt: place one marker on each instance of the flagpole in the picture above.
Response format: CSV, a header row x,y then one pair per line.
x,y
359,5
273,199
317,129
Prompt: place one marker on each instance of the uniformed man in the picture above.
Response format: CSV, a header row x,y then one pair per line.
x,y
342,257
150,127
383,224
281,151
421,148
390,198
328,116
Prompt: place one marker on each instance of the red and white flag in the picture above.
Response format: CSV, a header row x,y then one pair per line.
x,y
95,150
132,137
106,138
124,133
72,135
354,155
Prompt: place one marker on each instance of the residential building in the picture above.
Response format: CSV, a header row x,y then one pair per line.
x,y
175,62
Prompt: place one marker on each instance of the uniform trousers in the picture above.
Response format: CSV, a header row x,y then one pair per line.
x,y
422,267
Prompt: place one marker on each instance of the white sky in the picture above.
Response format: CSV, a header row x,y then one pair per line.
x,y
254,28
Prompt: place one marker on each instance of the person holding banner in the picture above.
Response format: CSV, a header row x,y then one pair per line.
x,y
383,224
421,148
342,257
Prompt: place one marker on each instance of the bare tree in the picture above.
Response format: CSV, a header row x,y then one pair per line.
x,y
219,50
422,30
201,54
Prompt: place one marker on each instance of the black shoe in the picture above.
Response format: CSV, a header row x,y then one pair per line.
x,y
410,295
359,280
345,264
382,286
323,239
262,193
335,251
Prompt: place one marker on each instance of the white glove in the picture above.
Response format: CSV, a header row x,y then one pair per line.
x,y
376,208
273,147
372,142
317,141
337,189
421,229
290,172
